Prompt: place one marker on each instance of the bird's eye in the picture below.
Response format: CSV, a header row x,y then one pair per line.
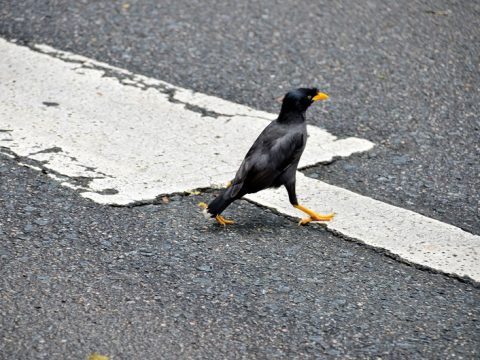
x,y
309,97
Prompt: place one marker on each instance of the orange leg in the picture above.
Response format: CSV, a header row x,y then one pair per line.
x,y
222,221
313,215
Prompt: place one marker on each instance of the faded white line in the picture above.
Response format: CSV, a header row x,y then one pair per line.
x,y
133,136
124,132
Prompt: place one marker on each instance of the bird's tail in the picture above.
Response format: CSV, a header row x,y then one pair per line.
x,y
220,203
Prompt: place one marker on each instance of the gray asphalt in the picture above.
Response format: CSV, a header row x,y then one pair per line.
x,y
403,74
157,281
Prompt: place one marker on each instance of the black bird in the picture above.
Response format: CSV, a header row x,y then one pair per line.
x,y
273,158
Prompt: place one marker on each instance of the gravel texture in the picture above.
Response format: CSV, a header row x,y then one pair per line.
x,y
403,74
159,281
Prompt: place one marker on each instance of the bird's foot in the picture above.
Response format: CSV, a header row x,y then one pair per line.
x,y
313,215
316,217
222,221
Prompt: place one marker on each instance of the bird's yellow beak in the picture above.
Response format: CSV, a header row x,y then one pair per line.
x,y
320,96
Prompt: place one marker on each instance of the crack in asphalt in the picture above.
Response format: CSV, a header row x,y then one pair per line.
x,y
79,182
55,149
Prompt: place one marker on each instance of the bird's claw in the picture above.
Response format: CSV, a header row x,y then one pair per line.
x,y
304,221
222,221
327,217
317,217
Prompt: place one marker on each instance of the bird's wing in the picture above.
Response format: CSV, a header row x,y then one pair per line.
x,y
277,148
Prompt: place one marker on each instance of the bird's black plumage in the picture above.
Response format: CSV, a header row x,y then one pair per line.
x,y
274,156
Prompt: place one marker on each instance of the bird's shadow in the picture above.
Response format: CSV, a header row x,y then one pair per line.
x,y
250,220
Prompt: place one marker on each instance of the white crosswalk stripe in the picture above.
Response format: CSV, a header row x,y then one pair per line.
x,y
136,141
134,138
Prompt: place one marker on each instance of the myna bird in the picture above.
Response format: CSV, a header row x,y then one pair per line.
x,y
273,158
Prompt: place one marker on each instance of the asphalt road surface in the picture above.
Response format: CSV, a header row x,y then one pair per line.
x,y
157,281
402,74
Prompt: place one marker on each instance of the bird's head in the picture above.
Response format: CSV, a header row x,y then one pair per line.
x,y
299,100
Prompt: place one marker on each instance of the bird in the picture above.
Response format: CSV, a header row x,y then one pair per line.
x,y
273,158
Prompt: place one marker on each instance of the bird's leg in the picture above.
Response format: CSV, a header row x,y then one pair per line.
x,y
313,215
222,221
292,196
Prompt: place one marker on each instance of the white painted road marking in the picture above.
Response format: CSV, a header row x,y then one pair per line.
x,y
139,140
137,137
